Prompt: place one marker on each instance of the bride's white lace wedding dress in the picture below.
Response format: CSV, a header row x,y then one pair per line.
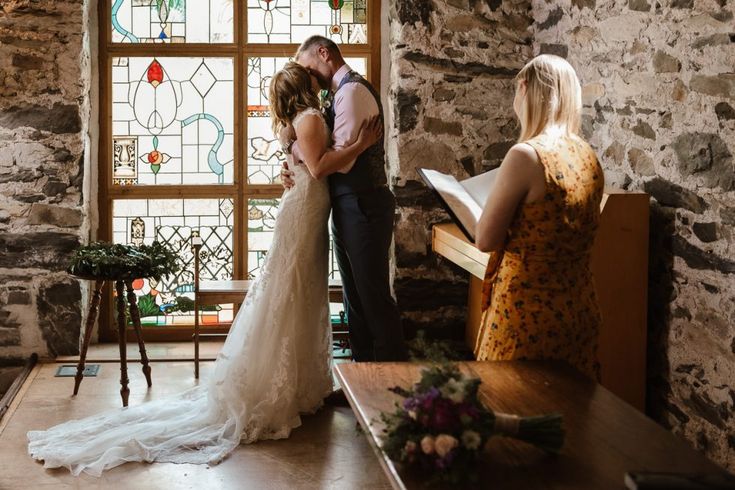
x,y
274,365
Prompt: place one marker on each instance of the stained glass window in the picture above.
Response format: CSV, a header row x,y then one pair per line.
x,y
172,21
171,222
262,215
183,151
263,151
292,21
172,121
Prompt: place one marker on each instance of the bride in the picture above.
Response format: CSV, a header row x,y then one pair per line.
x,y
275,363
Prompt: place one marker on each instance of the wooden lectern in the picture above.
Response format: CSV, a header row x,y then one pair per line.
x,y
620,269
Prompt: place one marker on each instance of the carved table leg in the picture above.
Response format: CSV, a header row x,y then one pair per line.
x,y
121,325
93,310
135,316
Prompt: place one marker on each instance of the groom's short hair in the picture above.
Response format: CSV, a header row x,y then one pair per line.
x,y
316,42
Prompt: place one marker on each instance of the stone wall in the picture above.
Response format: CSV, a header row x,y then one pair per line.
x,y
450,104
659,91
44,114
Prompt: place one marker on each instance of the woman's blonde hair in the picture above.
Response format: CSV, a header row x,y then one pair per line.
x,y
553,97
290,93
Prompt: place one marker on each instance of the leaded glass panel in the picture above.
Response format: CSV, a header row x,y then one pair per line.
x,y
172,21
172,121
172,221
292,21
263,151
262,214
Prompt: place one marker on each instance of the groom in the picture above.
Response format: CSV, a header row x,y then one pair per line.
x,y
363,206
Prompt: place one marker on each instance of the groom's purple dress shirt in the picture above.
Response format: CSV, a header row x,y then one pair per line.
x,y
353,106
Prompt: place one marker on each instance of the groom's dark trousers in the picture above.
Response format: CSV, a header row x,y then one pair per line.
x,y
363,210
362,225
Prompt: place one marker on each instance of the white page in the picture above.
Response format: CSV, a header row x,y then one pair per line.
x,y
479,186
464,206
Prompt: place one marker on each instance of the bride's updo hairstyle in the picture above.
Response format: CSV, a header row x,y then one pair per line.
x,y
553,97
290,93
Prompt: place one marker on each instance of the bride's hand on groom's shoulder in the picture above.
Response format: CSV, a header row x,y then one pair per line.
x,y
371,132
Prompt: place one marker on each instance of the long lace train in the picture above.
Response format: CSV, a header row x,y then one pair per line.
x,y
274,365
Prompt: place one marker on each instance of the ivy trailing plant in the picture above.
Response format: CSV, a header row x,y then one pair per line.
x,y
100,260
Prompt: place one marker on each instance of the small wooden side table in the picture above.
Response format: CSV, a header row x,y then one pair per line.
x,y
120,286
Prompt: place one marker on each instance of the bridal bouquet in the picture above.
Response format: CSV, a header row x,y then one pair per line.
x,y
441,425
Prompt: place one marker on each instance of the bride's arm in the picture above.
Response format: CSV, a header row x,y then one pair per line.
x,y
321,160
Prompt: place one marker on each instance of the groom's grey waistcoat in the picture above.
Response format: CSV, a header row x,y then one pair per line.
x,y
368,173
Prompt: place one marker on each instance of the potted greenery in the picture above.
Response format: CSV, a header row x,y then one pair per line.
x,y
116,262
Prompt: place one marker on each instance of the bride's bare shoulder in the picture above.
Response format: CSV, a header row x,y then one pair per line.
x,y
311,121
311,114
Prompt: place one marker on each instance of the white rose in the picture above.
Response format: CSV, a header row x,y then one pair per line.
x,y
471,439
427,445
412,414
453,390
444,444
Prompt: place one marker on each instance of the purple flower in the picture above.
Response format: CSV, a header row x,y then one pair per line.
x,y
428,398
410,403
444,418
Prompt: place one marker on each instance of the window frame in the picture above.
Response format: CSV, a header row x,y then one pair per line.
x,y
239,190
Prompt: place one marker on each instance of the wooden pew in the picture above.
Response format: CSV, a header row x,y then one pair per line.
x,y
620,268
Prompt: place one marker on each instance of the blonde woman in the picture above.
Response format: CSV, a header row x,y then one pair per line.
x,y
539,223
275,363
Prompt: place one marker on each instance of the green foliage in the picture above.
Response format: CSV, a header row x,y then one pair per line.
x,y
185,304
102,260
147,306
422,348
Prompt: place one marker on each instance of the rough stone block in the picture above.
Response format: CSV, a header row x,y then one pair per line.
x,y
60,316
19,297
59,118
724,111
640,162
639,5
644,130
407,105
44,214
673,195
439,126
9,337
556,49
44,250
717,86
706,232
664,63
705,155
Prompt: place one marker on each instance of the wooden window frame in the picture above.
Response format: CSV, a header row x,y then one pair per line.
x,y
239,191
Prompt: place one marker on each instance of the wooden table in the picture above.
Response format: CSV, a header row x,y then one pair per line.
x,y
606,437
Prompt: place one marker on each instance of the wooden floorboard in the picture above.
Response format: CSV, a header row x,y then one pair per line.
x,y
327,451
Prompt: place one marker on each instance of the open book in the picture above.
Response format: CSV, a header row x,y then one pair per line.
x,y
464,200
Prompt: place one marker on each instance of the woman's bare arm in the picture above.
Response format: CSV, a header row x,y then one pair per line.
x,y
321,160
519,171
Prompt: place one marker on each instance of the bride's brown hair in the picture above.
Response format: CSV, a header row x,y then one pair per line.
x,y
290,93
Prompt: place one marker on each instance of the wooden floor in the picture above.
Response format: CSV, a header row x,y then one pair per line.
x,y
327,451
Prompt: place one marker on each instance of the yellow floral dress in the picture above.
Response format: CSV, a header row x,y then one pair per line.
x,y
539,301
